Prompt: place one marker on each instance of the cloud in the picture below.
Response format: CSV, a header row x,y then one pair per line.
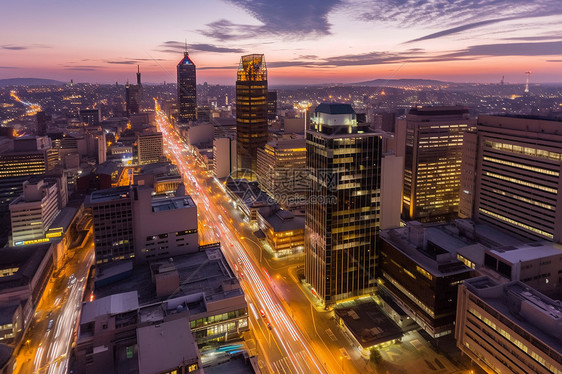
x,y
173,46
81,69
13,47
512,49
553,60
459,29
289,18
9,67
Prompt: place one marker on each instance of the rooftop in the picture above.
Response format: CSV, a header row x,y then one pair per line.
x,y
334,108
110,194
281,220
26,258
528,252
369,325
534,312
166,346
160,204
109,305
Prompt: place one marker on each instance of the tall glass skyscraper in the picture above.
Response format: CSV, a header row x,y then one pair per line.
x,y
251,113
343,203
187,89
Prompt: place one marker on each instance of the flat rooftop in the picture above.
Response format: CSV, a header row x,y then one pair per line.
x,y
110,194
201,272
26,258
528,252
534,312
166,346
161,204
368,324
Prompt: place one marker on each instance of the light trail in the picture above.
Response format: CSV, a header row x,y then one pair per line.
x,y
287,336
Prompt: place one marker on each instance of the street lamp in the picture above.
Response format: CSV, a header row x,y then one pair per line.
x,y
259,246
341,360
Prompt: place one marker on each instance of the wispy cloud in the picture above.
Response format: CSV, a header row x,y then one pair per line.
x,y
9,67
173,46
511,49
15,47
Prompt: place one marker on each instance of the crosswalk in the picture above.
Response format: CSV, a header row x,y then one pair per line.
x,y
285,366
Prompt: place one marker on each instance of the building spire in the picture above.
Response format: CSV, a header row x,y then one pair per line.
x,y
185,50
138,75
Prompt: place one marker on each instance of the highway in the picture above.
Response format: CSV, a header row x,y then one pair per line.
x,y
287,344
46,345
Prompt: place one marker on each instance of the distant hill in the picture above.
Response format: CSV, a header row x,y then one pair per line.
x,y
29,82
401,83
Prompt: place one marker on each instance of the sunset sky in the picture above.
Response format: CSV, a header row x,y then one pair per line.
x,y
304,41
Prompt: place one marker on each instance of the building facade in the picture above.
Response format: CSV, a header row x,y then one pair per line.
x,y
187,89
508,328
251,113
343,204
431,139
150,148
33,212
281,170
511,176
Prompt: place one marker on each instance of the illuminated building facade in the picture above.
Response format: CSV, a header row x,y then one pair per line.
x,y
113,224
33,212
150,148
281,170
187,89
343,204
251,112
511,176
431,139
508,328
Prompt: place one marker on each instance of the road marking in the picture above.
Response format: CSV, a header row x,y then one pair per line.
x,y
344,353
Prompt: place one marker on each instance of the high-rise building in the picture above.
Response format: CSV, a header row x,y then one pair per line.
x,y
133,95
113,224
343,203
431,141
272,105
150,148
281,170
251,112
511,176
42,119
508,328
187,89
224,156
33,212
91,117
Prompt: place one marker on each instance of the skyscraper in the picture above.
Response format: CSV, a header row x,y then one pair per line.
x,y
511,176
187,89
431,139
343,203
133,95
251,112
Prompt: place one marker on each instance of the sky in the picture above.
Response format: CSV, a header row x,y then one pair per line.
x,y
304,41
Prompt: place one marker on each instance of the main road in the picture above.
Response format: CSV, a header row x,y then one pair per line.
x,y
286,345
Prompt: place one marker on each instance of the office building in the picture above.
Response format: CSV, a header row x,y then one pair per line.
x,y
281,170
90,117
343,204
163,226
133,94
42,119
431,140
33,212
113,224
199,289
509,328
271,105
420,271
224,156
187,89
511,176
251,113
282,230
150,148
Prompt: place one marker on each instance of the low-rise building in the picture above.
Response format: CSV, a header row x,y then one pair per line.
x,y
283,231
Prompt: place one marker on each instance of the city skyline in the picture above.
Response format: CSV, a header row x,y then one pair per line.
x,y
333,41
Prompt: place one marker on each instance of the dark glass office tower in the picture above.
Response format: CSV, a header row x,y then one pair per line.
x,y
343,203
251,112
133,95
187,89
